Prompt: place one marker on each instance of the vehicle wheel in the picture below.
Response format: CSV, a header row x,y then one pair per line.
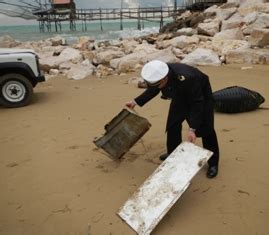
x,y
15,90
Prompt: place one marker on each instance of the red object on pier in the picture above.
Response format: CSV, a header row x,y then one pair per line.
x,y
56,2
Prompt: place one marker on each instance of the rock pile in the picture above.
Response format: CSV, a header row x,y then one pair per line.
x,y
235,32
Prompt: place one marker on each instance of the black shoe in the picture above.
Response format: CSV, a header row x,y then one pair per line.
x,y
212,171
164,156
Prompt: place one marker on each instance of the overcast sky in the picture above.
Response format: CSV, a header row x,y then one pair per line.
x,y
5,20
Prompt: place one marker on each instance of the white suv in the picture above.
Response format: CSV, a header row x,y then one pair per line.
x,y
19,73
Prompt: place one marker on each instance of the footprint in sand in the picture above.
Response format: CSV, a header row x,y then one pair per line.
x,y
103,169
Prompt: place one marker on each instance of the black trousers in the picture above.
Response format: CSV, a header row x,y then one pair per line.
x,y
209,139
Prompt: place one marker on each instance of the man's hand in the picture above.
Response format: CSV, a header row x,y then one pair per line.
x,y
131,104
191,137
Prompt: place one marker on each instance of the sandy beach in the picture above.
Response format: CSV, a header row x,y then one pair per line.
x,y
53,179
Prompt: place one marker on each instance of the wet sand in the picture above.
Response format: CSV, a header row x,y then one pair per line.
x,y
53,180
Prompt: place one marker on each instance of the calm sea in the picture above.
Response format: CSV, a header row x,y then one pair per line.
x,y
111,30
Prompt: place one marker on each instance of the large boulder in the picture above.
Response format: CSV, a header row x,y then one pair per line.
x,y
179,42
129,63
230,34
225,46
249,8
262,21
57,41
103,71
248,56
106,56
8,42
236,21
210,28
145,47
202,56
84,42
166,55
250,18
260,37
129,45
53,62
187,31
221,13
78,71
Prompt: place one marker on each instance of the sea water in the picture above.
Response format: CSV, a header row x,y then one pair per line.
x,y
110,30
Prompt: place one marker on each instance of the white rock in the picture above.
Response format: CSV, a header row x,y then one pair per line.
x,y
221,13
8,42
259,37
54,72
202,56
103,71
84,42
129,62
187,31
165,55
210,28
68,54
135,81
78,72
225,14
224,46
251,17
262,21
181,41
86,62
248,56
248,3
106,56
66,65
129,45
212,9
230,34
236,21
252,7
115,63
57,41
145,47
177,52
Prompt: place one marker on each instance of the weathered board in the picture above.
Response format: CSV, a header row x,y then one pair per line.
x,y
148,205
122,132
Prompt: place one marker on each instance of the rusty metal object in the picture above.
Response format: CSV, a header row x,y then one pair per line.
x,y
122,132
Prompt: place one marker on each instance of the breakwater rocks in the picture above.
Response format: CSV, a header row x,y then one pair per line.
x,y
236,32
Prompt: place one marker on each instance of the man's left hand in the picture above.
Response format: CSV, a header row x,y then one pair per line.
x,y
191,137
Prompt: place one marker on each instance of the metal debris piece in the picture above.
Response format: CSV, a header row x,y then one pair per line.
x,y
148,205
122,132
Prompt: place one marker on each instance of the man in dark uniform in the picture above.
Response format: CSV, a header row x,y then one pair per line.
x,y
191,100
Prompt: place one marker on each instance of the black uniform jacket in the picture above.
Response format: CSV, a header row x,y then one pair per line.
x,y
191,97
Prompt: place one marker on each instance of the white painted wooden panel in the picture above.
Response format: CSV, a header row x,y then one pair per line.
x,y
148,205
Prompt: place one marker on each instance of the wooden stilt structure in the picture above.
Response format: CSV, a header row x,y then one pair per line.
x,y
154,14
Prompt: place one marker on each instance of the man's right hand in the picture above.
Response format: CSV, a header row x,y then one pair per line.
x,y
131,104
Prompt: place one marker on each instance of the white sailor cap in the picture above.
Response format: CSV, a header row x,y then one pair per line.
x,y
154,71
